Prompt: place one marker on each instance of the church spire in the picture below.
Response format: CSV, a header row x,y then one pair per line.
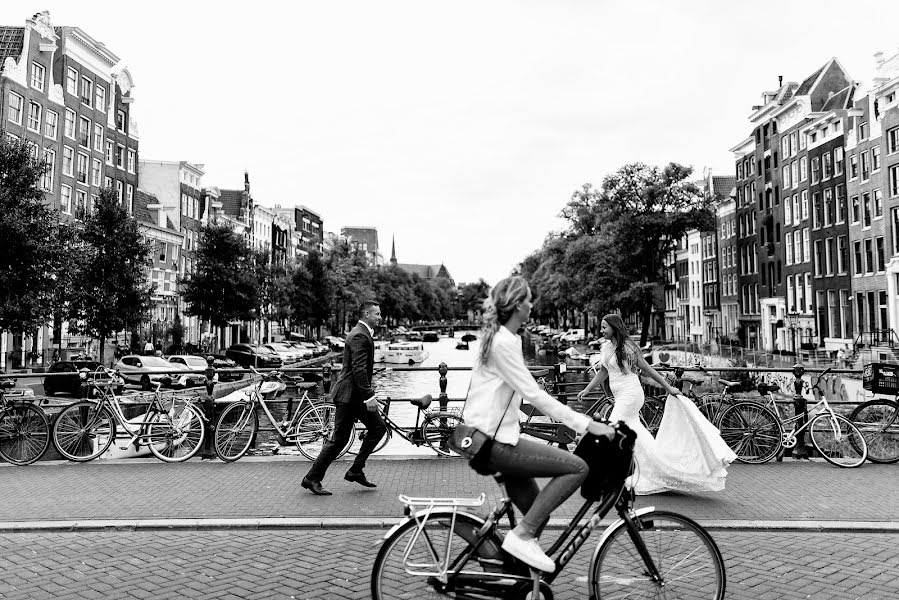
x,y
393,250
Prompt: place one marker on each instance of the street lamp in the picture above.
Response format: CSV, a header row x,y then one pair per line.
x,y
793,320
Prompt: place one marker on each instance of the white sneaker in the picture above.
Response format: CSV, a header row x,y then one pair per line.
x,y
529,552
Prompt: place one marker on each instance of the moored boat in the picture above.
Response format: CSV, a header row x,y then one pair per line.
x,y
406,352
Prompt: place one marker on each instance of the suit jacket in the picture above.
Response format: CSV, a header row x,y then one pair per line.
x,y
354,383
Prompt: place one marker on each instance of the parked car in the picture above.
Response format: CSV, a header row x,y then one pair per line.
x,y
72,382
160,368
251,355
315,349
192,363
222,363
335,343
288,354
574,336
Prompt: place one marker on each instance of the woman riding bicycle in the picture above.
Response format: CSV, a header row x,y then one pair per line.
x,y
499,381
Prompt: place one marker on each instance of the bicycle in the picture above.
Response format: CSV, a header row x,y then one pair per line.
x,y
24,428
309,428
540,427
433,431
878,419
86,429
756,432
439,550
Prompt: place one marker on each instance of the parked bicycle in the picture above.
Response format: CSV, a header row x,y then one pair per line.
x,y
432,427
757,433
172,428
310,426
878,419
440,549
24,427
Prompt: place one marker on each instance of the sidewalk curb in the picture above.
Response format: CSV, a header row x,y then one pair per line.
x,y
367,523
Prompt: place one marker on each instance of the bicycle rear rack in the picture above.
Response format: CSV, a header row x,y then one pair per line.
x,y
426,502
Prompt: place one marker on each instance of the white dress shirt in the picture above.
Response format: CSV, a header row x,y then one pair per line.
x,y
505,377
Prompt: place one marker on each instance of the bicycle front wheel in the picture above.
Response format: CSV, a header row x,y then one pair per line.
x,y
24,433
752,431
176,435
878,420
81,432
686,562
838,441
235,430
314,428
437,429
410,560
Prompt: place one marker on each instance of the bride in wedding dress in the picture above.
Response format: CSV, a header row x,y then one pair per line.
x,y
687,453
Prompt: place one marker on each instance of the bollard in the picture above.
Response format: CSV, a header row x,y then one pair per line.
x,y
326,379
559,370
801,451
679,378
443,399
209,410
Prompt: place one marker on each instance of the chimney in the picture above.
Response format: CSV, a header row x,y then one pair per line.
x,y
780,81
246,181
878,59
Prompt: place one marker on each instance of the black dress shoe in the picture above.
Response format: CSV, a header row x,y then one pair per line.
x,y
315,487
359,478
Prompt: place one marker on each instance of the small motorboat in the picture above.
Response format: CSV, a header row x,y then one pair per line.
x,y
406,352
430,336
462,346
469,337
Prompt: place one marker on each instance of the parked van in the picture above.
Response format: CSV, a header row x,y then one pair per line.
x,y
574,336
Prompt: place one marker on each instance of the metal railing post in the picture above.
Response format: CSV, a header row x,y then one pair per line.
x,y
208,450
800,406
443,399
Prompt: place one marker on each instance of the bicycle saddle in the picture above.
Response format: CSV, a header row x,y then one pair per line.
x,y
727,383
693,381
540,373
423,402
305,385
7,383
766,388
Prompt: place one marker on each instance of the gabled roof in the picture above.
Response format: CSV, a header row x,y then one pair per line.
x,y
806,86
231,201
425,271
144,215
11,40
722,185
840,100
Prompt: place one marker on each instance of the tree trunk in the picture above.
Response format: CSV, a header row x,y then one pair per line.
x,y
647,315
102,349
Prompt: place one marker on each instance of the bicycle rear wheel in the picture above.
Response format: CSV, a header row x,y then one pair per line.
x,y
235,430
878,420
24,433
177,435
684,554
838,441
437,429
314,428
425,553
752,431
81,432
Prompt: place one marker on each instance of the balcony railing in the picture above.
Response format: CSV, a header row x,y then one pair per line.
x,y
877,337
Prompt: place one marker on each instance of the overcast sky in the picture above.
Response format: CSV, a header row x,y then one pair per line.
x,y
461,128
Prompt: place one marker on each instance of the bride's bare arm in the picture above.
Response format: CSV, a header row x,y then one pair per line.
x,y
654,375
601,375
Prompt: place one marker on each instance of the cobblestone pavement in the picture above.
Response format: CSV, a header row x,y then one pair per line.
x,y
336,565
270,487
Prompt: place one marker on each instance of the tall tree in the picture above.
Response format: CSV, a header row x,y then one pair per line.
x,y
223,286
34,243
351,279
310,292
473,296
113,291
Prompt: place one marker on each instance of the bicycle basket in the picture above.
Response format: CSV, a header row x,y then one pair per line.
x,y
881,378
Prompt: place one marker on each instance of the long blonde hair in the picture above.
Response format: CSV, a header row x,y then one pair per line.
x,y
498,309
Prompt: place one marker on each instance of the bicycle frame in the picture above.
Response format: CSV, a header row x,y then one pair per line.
x,y
795,418
139,435
413,436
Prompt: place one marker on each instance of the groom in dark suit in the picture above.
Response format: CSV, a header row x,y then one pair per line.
x,y
354,399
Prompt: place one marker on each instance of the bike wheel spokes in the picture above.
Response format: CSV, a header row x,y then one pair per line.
x,y
177,435
314,428
234,431
24,434
686,559
878,420
838,441
81,432
752,432
436,431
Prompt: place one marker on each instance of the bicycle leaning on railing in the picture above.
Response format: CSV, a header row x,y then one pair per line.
x,y
172,428
310,426
878,419
24,428
440,550
756,432
433,428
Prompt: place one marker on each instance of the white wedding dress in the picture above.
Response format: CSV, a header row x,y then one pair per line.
x,y
687,454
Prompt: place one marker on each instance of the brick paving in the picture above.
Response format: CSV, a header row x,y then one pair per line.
x,y
258,488
336,565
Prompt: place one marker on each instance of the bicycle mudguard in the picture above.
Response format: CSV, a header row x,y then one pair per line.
x,y
468,531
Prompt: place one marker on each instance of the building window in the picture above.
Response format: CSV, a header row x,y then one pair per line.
x,y
68,161
788,212
72,81
893,140
87,91
857,252
109,152
895,217
806,246
842,254
796,215
828,207
100,98
119,191
855,210
804,196
816,210
788,247
803,168
51,124
16,108
863,131
34,116
816,169
838,161
841,204
881,255
80,202
853,166
819,258
786,175
866,166
49,174
82,168
120,157
129,197
84,132
828,256
869,256
37,76
96,172
107,182
827,166
98,137
65,199
70,124
120,121
877,195
866,209
797,247
131,156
